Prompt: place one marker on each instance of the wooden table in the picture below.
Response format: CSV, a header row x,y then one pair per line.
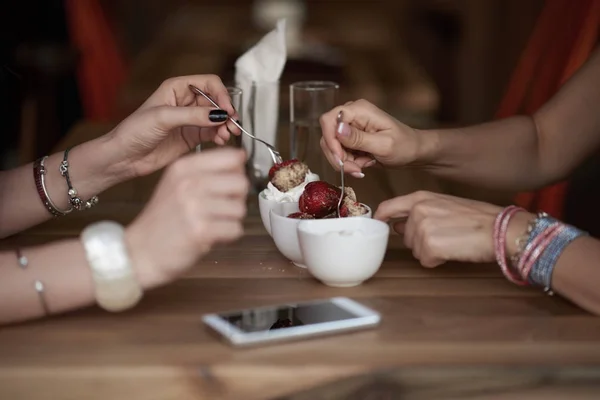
x,y
456,315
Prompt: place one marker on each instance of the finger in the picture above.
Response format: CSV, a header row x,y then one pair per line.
x,y
226,230
226,208
223,134
357,118
329,122
399,227
212,161
209,84
168,117
410,231
349,166
232,128
401,206
229,184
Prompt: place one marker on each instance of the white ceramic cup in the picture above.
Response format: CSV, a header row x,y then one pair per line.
x,y
265,206
343,252
285,234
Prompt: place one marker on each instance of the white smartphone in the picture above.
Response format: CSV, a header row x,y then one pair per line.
x,y
292,321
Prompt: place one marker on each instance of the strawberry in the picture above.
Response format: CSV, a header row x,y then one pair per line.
x,y
300,215
282,164
319,199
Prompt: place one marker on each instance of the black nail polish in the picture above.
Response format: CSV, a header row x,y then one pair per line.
x,y
217,115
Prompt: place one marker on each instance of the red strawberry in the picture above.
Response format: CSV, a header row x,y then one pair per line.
x,y
277,167
319,199
300,215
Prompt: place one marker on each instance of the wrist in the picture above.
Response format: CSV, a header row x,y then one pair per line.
x,y
517,228
142,262
428,147
92,170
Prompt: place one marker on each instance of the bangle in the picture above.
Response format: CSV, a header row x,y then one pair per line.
x,y
76,201
39,173
37,284
116,286
499,237
541,271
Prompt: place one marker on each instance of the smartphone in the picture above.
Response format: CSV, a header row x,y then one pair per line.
x,y
286,322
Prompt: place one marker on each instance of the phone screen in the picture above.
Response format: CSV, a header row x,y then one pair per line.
x,y
287,316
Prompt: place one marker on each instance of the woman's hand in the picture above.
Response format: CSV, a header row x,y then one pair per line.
x,y
200,202
440,228
171,122
368,135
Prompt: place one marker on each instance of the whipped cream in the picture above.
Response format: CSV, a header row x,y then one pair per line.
x,y
292,195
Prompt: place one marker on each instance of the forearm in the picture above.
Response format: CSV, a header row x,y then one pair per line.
x,y
63,270
91,172
576,275
503,154
524,152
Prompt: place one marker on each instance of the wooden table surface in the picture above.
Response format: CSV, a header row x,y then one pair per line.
x,y
455,315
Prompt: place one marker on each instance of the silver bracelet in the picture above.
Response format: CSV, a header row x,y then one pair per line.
x,y
39,173
76,201
38,285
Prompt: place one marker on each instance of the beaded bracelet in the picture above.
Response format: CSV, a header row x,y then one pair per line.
x,y
547,239
76,201
541,271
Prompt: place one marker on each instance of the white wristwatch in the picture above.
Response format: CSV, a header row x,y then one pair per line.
x,y
116,286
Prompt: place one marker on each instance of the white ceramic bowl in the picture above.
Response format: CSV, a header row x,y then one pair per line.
x,y
285,233
343,252
265,206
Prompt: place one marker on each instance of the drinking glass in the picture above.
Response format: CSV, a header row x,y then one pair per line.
x,y
308,101
262,105
235,94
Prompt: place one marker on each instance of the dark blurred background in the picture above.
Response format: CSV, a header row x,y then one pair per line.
x,y
429,62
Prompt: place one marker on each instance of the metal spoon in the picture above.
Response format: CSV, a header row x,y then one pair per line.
x,y
341,195
339,121
274,153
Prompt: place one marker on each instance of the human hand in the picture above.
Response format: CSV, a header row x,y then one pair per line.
x,y
199,202
440,228
172,122
367,135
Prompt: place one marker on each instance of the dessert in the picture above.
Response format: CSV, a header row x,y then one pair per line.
x,y
320,199
300,215
287,181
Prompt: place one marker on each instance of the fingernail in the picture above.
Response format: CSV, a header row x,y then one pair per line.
x,y
343,129
217,115
370,163
358,175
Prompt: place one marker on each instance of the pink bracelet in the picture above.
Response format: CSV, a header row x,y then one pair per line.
x,y
535,252
534,244
499,236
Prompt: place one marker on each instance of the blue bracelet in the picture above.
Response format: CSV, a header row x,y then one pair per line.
x,y
541,272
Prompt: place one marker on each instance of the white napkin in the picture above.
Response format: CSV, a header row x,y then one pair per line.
x,y
263,65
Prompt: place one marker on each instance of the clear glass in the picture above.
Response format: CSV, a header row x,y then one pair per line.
x,y
261,119
308,101
235,94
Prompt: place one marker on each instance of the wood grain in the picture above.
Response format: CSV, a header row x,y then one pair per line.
x,y
455,315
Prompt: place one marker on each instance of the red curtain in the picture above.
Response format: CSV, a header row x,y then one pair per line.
x,y
564,36
101,70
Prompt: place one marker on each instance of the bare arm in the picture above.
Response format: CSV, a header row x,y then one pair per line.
x,y
576,274
525,152
91,171
60,266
